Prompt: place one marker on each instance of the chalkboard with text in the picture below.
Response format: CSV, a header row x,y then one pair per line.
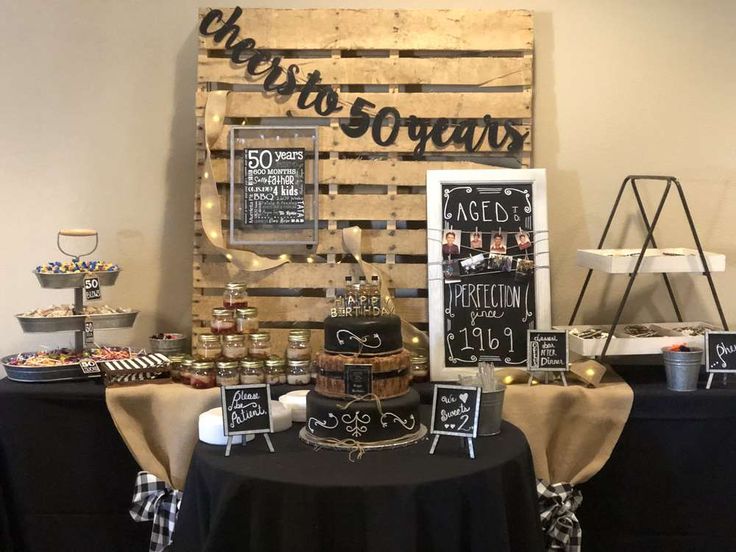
x,y
246,409
548,350
720,352
274,186
455,410
490,239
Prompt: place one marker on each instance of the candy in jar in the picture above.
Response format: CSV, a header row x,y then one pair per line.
x,y
209,347
228,372
203,374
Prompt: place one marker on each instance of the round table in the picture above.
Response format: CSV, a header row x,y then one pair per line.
x,y
393,500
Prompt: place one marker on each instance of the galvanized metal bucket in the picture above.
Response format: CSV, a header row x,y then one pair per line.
x,y
682,368
169,346
491,407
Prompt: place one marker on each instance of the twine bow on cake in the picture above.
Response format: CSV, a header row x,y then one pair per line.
x,y
155,500
558,503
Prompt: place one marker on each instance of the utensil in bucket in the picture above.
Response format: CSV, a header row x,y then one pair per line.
x,y
682,367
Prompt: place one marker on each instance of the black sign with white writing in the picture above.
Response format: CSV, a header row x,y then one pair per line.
x,y
89,366
89,331
455,410
548,350
92,289
488,252
274,186
246,409
720,351
358,380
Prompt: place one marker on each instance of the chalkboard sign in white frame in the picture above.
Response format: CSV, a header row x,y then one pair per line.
x,y
714,362
536,180
244,137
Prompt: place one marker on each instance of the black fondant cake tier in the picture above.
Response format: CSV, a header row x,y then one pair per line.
x,y
376,335
362,420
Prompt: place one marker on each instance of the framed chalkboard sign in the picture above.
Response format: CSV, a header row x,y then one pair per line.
x,y
274,185
720,354
455,410
488,267
358,379
246,409
547,350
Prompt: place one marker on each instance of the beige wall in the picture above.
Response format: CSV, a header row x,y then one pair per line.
x,y
97,129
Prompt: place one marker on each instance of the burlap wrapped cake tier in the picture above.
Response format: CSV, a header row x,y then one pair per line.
x,y
391,374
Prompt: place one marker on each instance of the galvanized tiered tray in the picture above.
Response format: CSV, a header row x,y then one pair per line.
x,y
39,324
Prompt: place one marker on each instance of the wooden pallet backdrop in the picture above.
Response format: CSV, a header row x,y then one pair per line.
x,y
430,63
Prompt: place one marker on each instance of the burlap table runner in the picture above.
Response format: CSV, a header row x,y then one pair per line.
x,y
571,430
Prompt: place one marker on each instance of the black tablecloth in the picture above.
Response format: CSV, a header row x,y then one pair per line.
x,y
66,478
670,484
398,500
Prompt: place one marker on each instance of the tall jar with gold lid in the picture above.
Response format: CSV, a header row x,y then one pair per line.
x,y
299,347
260,345
246,320
209,347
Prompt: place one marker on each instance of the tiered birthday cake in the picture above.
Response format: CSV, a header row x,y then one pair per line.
x,y
362,394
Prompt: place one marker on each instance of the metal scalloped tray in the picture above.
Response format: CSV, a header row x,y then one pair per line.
x,y
74,279
34,324
41,374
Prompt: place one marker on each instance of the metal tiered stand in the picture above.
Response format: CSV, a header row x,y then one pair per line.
x,y
647,259
78,322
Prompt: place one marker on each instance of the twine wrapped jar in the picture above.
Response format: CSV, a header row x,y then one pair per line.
x,y
251,371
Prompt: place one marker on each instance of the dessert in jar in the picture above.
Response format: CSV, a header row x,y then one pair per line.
x,y
222,321
175,366
246,320
209,347
251,371
260,345
185,370
233,346
298,347
203,374
235,295
298,372
228,372
275,370
419,368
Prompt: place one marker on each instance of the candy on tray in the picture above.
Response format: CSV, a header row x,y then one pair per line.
x,y
55,311
62,357
72,267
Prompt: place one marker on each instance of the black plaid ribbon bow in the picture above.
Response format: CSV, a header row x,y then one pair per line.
x,y
561,527
155,500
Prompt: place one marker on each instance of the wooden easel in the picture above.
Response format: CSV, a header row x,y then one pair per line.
x,y
245,442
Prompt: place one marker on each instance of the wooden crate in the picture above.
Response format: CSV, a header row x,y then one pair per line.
x,y
430,63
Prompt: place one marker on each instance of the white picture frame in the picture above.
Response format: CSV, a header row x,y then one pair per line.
x,y
435,226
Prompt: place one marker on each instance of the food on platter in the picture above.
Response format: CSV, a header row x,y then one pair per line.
x,y
55,311
589,333
64,357
73,267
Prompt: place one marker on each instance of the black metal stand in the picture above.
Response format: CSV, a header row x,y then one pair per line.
x,y
650,226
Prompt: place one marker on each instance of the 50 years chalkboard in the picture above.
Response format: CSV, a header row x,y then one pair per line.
x,y
274,186
488,260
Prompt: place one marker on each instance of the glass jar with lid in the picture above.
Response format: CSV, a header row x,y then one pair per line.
x,y
222,321
299,372
251,371
185,369
228,372
233,346
203,374
235,295
298,347
275,370
419,368
260,345
175,366
209,347
246,320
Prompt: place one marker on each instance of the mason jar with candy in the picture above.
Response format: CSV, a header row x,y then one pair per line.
x,y
235,295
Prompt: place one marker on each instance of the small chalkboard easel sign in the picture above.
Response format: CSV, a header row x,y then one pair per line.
x,y
720,355
247,409
455,410
548,351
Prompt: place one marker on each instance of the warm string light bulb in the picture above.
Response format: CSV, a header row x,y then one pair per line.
x,y
508,380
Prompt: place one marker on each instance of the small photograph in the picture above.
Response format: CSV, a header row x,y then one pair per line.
x,y
451,271
495,263
498,243
474,264
523,241
476,240
450,244
524,269
507,263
